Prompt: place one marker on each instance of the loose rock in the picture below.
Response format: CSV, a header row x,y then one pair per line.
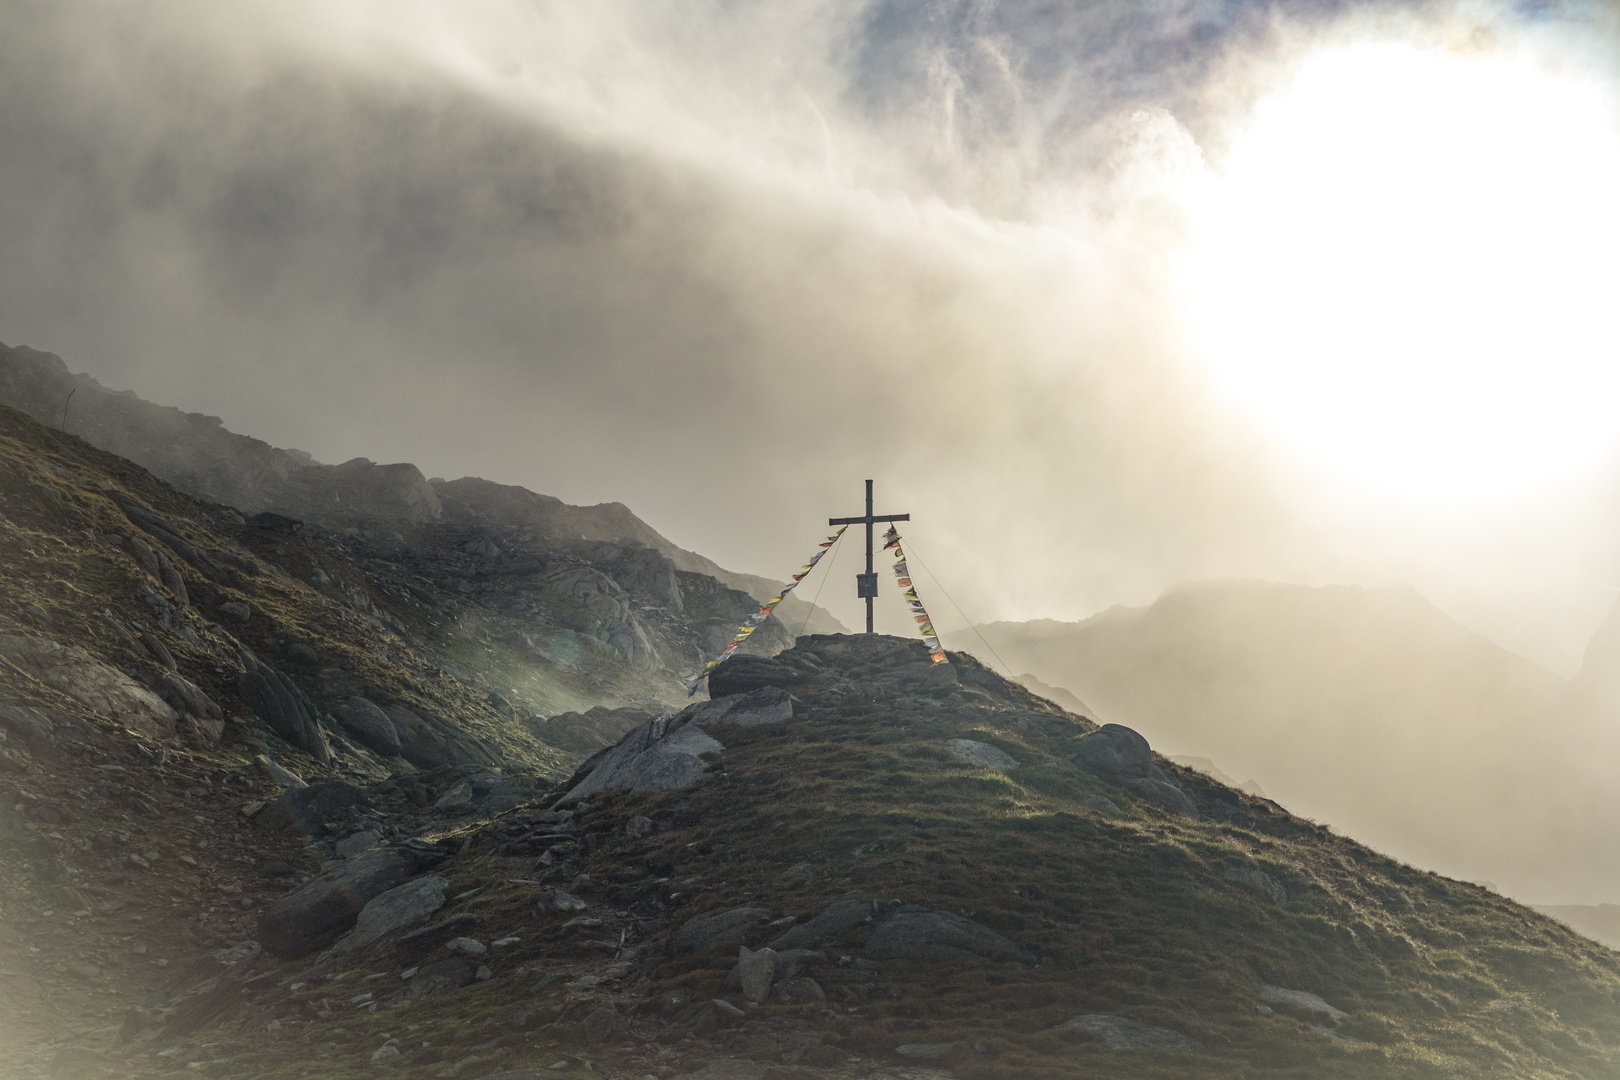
x,y
756,969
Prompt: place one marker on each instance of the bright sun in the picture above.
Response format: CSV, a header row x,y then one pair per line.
x,y
1409,266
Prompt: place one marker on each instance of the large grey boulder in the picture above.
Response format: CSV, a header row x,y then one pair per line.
x,y
756,970
1114,751
937,935
283,707
981,754
744,673
399,908
726,928
98,687
370,726
429,741
767,705
833,919
664,754
1119,754
1122,1033
317,913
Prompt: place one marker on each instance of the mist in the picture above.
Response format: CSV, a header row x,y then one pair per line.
x,y
722,262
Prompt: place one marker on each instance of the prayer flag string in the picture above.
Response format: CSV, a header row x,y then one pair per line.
x,y
902,575
754,621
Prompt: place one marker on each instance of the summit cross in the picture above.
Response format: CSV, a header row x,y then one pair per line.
x,y
866,584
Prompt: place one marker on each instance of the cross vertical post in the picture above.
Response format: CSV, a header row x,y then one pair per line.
x,y
866,584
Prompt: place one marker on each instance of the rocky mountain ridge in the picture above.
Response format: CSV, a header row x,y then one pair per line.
x,y
199,455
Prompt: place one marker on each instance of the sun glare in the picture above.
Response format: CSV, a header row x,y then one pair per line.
x,y
1407,267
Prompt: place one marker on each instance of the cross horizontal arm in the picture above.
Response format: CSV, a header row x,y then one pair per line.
x,y
863,519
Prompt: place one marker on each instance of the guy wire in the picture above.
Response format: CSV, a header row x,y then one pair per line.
x,y
823,585
912,553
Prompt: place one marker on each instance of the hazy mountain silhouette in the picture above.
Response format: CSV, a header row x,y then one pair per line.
x,y
1369,708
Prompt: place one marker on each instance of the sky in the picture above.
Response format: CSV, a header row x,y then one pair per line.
x,y
1107,295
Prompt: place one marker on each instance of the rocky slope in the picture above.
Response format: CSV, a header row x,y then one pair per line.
x,y
199,456
849,863
1340,702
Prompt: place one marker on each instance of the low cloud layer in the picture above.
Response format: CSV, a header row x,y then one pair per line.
x,y
722,262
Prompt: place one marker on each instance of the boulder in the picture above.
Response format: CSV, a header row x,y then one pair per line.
x,y
1121,755
726,928
743,674
399,908
664,754
982,755
283,707
767,705
187,697
429,741
98,687
756,970
1114,751
317,913
913,934
370,726
833,919
146,557
1122,1033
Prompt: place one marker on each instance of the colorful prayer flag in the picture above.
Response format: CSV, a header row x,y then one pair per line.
x,y
753,622
902,574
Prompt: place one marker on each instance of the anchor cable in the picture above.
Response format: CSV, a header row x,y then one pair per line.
x,y
824,577
912,544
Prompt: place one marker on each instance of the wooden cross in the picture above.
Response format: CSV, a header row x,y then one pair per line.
x,y
866,584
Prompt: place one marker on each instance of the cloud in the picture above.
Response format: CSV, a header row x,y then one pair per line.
x,y
720,261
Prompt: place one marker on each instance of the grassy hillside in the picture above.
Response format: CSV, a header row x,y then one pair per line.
x,y
1114,907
